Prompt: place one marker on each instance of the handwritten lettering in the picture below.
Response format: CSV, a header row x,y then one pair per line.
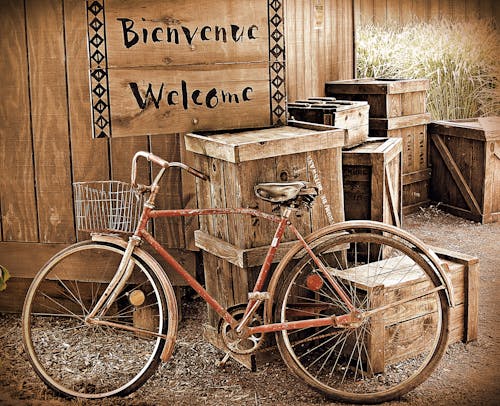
x,y
171,35
185,97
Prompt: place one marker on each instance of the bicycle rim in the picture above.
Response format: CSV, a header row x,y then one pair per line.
x,y
389,352
93,361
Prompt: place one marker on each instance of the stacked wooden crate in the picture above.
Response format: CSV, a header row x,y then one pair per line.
x,y
402,335
465,158
352,116
397,109
372,181
234,246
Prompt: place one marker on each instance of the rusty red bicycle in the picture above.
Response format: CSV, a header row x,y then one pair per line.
x,y
338,302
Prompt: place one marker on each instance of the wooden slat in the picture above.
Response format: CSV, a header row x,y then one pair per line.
x,y
50,120
24,266
399,122
189,195
318,54
261,144
89,158
393,199
169,231
456,174
17,185
393,13
382,11
328,208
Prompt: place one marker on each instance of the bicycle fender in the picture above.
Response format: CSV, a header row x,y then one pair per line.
x,y
361,224
148,259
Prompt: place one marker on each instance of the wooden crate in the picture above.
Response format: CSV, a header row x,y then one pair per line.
x,y
372,181
416,171
399,337
465,159
236,161
231,272
387,98
352,116
397,109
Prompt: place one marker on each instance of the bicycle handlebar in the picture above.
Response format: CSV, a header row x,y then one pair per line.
x,y
163,163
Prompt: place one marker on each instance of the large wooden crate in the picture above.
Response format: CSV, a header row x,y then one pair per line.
x,y
387,98
465,159
400,336
372,181
234,246
397,109
238,160
352,116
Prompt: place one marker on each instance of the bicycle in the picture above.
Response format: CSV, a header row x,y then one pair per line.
x,y
98,298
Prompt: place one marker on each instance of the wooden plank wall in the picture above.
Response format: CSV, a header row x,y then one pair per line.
x,y
402,11
45,134
45,120
319,45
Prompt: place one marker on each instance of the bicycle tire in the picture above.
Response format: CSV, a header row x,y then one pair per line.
x,y
364,363
76,359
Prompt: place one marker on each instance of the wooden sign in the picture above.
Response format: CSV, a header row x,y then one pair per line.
x,y
162,67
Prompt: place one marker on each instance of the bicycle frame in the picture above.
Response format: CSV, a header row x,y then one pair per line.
x,y
255,299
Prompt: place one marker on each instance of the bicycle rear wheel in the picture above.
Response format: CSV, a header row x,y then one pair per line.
x,y
402,333
77,359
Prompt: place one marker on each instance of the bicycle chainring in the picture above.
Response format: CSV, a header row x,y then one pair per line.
x,y
233,341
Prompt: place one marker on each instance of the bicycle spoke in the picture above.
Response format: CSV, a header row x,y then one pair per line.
x,y
85,359
376,273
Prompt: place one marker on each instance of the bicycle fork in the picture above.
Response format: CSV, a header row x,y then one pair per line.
x,y
114,289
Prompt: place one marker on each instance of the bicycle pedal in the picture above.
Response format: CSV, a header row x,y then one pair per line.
x,y
222,363
262,296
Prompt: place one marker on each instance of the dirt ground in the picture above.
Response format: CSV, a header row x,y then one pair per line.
x,y
468,374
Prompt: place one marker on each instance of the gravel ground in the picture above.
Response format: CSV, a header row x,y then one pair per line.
x,y
468,374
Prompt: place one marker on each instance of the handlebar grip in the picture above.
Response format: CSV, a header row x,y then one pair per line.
x,y
157,160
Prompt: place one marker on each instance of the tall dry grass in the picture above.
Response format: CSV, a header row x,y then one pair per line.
x,y
461,60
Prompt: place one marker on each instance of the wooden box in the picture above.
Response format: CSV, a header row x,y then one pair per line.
x,y
465,159
352,116
234,246
416,171
238,160
397,109
400,336
387,98
231,272
372,181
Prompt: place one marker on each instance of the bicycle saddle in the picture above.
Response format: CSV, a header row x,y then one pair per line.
x,y
285,191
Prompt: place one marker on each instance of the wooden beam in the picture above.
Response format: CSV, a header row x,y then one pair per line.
x,y
456,174
392,198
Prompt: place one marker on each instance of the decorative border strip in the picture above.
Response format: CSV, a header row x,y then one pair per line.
x,y
98,73
277,84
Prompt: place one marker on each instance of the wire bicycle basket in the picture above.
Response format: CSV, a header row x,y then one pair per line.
x,y
107,206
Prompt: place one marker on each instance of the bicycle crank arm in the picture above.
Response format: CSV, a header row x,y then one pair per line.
x,y
125,327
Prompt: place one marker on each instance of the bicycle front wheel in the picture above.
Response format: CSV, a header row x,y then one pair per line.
x,y
77,359
402,331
